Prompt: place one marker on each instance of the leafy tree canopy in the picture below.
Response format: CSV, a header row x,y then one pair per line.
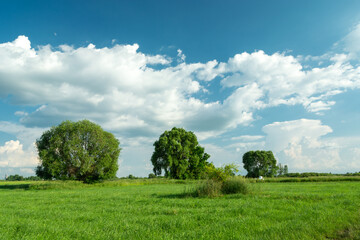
x,y
260,163
221,174
77,150
178,153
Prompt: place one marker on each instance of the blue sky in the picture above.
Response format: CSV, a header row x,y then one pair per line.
x,y
243,75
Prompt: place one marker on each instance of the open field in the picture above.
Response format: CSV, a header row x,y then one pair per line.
x,y
128,209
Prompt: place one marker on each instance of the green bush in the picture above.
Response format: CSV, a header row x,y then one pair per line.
x,y
235,185
208,188
214,188
151,175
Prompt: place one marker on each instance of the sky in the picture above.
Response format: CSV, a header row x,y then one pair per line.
x,y
242,75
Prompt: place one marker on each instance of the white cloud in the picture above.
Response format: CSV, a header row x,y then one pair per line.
x,y
248,138
118,88
12,154
281,134
27,171
138,96
20,113
26,136
303,146
282,79
181,56
350,42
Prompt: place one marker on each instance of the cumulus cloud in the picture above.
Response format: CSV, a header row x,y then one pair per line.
x,y
12,154
282,79
280,134
118,87
137,96
25,135
303,145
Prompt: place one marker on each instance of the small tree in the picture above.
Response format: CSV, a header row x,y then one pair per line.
x,y
281,170
260,163
77,150
286,170
178,153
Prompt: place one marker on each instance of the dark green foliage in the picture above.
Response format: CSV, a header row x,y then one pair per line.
x,y
221,180
79,151
235,185
15,177
214,188
178,153
282,169
260,163
151,175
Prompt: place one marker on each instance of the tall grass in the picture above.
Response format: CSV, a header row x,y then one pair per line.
x,y
208,188
235,185
214,188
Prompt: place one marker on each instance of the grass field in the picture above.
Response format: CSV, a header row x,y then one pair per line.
x,y
159,209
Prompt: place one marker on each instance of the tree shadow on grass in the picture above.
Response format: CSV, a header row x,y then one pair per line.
x,y
15,186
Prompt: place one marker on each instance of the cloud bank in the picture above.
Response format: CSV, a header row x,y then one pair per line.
x,y
137,96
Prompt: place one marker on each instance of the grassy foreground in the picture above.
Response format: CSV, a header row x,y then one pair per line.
x,y
142,209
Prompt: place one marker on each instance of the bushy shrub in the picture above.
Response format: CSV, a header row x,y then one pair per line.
x,y
151,175
208,188
221,173
214,188
235,185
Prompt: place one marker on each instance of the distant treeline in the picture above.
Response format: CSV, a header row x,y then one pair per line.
x,y
17,177
315,174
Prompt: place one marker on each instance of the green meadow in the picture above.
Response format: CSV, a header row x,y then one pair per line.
x,y
163,209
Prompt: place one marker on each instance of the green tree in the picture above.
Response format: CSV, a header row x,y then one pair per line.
x,y
178,153
260,163
15,177
77,150
151,175
281,170
286,170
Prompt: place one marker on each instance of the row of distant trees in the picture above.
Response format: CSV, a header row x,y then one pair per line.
x,y
152,175
84,151
18,177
